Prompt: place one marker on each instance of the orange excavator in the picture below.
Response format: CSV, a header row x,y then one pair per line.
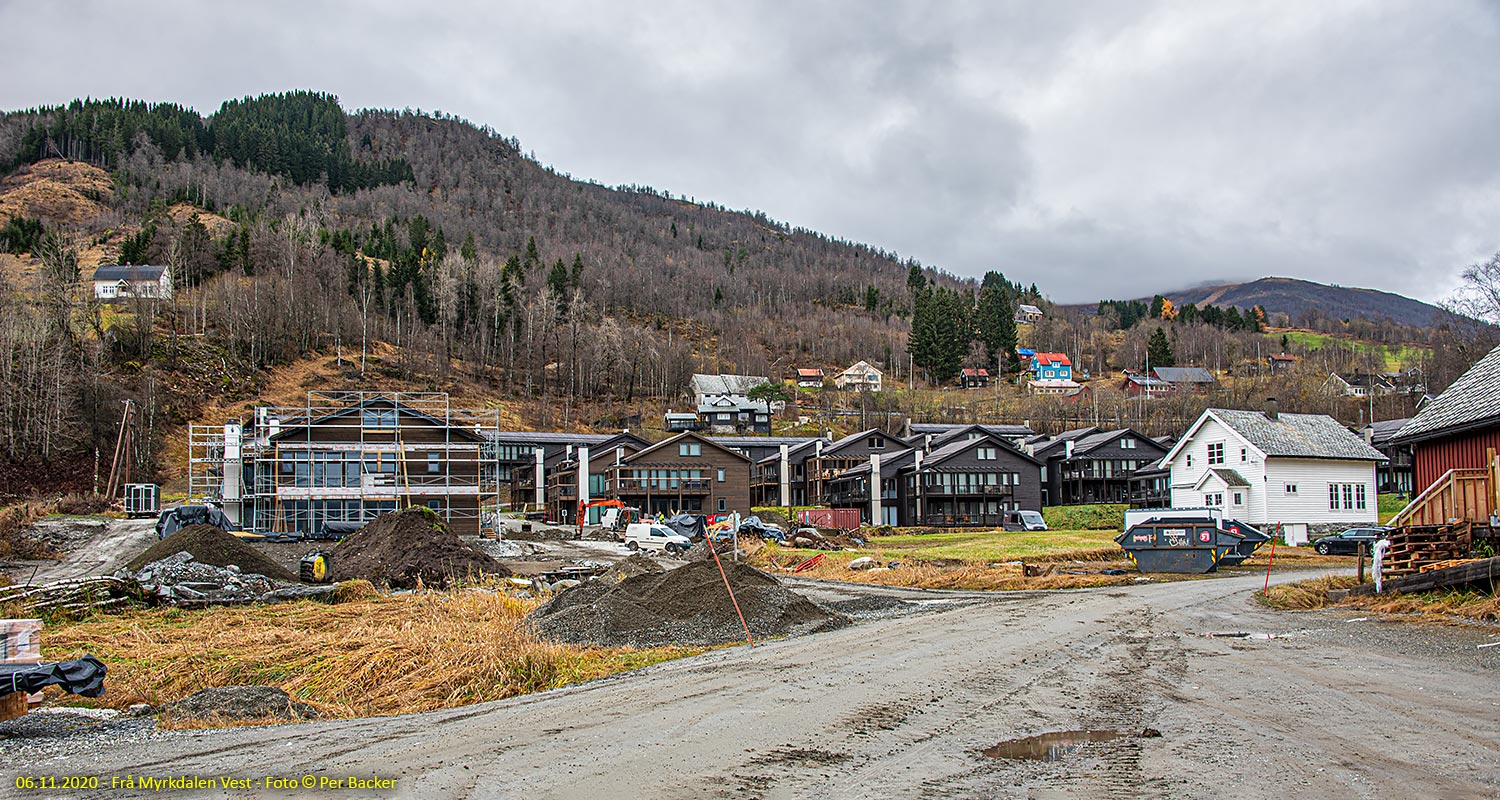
x,y
620,522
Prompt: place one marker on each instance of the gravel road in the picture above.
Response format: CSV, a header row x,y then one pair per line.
x,y
1312,704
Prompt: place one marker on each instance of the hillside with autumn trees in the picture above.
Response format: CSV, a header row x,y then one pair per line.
x,y
421,250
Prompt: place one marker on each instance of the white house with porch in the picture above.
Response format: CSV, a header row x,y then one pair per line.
x,y
1304,472
114,282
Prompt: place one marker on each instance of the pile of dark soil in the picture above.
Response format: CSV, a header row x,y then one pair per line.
x,y
687,606
209,545
403,548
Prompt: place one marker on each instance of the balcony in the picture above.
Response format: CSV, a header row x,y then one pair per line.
x,y
969,491
662,486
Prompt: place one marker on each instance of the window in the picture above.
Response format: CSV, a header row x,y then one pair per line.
x,y
690,449
1190,460
877,443
1215,499
1291,488
380,418
721,476
1127,443
1239,498
1216,453
1346,496
1244,454
723,504
435,505
986,453
434,463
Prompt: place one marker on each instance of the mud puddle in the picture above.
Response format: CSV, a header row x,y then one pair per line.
x,y
1057,745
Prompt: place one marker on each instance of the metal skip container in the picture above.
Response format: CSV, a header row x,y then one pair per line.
x,y
1183,545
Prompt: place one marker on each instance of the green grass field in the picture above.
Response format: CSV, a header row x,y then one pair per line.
x,y
993,545
1395,356
1389,505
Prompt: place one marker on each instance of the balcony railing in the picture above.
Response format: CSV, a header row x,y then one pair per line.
x,y
970,491
663,485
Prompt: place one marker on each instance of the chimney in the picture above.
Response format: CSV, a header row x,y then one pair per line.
x,y
1369,434
1272,412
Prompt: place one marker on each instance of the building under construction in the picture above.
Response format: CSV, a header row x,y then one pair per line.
x,y
345,457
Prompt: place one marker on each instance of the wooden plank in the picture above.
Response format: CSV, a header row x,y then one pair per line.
x,y
1470,572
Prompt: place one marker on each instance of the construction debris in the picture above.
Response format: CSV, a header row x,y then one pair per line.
x,y
234,703
1416,546
212,546
683,606
403,549
74,596
181,580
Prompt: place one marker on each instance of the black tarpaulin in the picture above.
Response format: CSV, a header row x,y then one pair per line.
x,y
83,676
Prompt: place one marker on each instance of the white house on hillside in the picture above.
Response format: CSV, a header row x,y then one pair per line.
x,y
115,282
862,376
1305,472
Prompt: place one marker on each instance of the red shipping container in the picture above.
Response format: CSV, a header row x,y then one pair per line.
x,y
845,519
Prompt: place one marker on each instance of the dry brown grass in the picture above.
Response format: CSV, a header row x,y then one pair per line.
x,y
369,656
953,574
1311,594
56,191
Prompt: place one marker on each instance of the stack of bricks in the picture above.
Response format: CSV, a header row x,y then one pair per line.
x,y
20,643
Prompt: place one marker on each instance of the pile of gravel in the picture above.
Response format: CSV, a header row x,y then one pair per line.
x,y
686,606
230,703
630,567
403,548
209,545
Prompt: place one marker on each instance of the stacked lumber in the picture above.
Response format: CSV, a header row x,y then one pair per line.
x,y
1479,572
1416,546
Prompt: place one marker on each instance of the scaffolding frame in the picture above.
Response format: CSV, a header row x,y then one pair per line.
x,y
347,456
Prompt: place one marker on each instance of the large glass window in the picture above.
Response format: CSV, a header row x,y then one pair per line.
x,y
1216,453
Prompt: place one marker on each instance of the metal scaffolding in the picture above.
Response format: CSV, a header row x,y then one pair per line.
x,y
344,457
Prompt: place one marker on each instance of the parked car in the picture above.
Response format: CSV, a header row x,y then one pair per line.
x,y
655,536
1024,521
1348,542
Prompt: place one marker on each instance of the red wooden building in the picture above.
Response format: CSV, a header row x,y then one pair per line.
x,y
1456,438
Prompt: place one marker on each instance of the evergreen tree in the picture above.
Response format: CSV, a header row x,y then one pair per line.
x,y
557,282
468,250
533,258
1159,350
576,278
915,280
1157,303
940,332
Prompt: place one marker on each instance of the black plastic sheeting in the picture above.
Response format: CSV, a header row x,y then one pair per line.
x,y
175,519
753,525
690,525
83,676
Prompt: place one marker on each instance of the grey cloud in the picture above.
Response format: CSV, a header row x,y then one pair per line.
x,y
1100,149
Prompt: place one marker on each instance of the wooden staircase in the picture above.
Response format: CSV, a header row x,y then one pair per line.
x,y
1461,494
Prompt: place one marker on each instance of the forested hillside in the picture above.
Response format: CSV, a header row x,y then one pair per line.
x,y
293,228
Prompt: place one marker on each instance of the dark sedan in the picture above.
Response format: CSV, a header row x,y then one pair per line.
x,y
1348,542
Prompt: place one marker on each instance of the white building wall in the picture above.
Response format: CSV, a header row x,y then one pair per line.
x,y
1312,478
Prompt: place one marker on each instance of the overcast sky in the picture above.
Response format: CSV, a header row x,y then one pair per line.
x,y
1099,149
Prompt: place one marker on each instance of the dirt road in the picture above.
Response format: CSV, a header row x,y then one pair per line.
x,y
94,545
1332,707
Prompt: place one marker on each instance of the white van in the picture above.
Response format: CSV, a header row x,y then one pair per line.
x,y
653,536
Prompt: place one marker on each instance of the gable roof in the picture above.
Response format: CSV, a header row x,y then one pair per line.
x,y
1383,431
941,430
794,451
954,448
725,384
1083,444
1470,402
862,368
1043,442
298,424
1059,359
1287,436
1028,309
666,444
117,272
969,372
812,372
1184,374
855,437
1228,476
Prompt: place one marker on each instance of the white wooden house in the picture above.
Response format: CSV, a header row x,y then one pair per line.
x,y
862,376
1305,472
115,282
